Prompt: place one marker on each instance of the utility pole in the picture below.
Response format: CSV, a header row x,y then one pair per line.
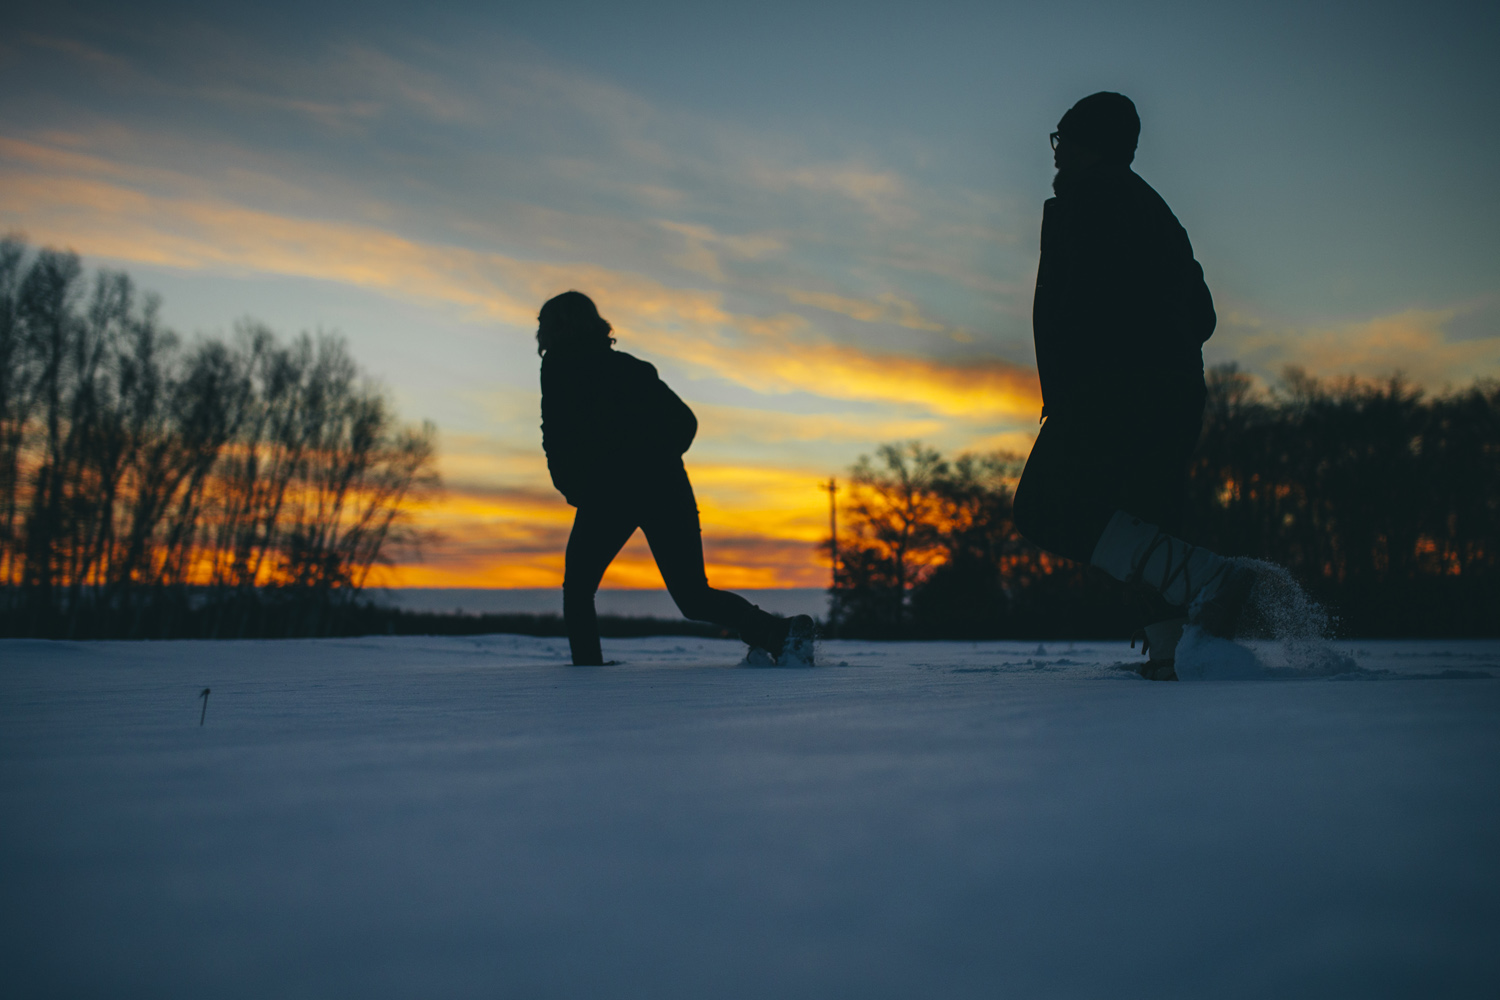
x,y
831,488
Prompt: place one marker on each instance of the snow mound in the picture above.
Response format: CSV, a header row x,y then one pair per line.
x,y
1284,633
757,657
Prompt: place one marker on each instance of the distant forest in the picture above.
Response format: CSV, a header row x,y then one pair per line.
x,y
150,488
1383,501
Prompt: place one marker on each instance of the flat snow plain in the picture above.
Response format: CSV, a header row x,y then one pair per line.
x,y
469,817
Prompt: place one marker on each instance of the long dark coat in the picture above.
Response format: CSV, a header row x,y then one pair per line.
x,y
1118,292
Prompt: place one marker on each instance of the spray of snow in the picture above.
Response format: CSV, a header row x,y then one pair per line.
x,y
802,654
1283,633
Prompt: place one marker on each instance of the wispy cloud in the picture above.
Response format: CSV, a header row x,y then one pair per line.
x,y
79,51
881,194
704,249
885,308
762,520
351,87
552,162
771,354
1414,342
110,220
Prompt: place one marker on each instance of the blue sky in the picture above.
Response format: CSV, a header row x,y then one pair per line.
x,y
820,222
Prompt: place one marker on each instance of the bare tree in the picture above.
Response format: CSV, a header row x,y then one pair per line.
x,y
17,389
894,535
139,479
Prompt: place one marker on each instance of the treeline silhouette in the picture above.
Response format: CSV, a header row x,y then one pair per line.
x,y
154,489
1382,500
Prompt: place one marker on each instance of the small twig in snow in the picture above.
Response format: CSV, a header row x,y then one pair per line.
x,y
204,714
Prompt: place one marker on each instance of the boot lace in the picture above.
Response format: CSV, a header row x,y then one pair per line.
x,y
1179,554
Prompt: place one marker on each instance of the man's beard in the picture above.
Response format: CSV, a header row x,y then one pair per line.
x,y
1072,179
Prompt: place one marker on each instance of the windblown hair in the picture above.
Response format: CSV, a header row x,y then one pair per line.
x,y
571,322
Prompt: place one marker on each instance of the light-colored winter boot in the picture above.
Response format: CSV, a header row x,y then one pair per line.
x,y
1213,589
1159,646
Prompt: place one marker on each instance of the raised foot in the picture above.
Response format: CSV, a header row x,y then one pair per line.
x,y
798,648
1158,670
757,657
1219,613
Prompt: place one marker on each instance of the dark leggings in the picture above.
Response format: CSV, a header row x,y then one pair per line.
x,y
668,514
1129,453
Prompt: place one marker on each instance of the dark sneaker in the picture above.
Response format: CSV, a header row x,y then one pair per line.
x,y
1219,615
797,650
1158,670
757,657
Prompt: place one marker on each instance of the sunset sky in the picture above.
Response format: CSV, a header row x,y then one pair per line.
x,y
819,221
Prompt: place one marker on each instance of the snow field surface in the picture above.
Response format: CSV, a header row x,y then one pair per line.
x,y
471,817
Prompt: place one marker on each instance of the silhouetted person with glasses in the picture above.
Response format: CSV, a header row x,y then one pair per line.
x,y
614,435
1120,317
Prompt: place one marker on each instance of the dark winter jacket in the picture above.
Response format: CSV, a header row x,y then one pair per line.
x,y
609,425
1118,293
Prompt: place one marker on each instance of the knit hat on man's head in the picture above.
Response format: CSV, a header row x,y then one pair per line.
x,y
1105,122
572,321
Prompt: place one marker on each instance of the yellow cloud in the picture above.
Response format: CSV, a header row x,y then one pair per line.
x,y
107,220
979,390
1412,342
1014,442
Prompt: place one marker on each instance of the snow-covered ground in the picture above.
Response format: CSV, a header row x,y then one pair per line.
x,y
469,817
786,601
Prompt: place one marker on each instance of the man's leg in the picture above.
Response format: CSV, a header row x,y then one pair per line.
x,y
1095,476
1155,488
1118,451
1140,543
1159,438
597,537
676,537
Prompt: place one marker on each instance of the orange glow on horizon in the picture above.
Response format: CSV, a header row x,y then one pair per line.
x,y
762,529
798,565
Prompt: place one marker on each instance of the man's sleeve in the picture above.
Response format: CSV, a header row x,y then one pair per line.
x,y
560,437
1198,301
671,418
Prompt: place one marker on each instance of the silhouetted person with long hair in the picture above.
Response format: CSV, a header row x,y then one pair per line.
x,y
1120,317
614,435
